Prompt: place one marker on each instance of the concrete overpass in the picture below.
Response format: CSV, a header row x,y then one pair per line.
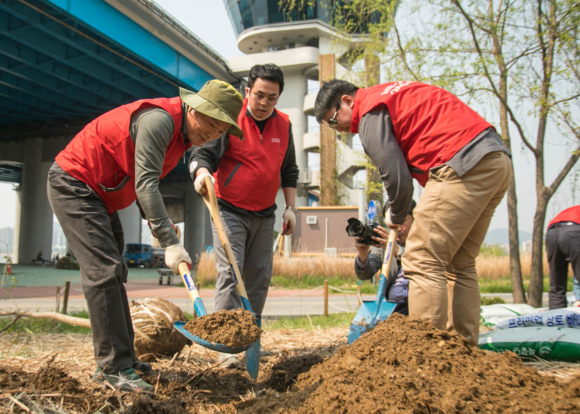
x,y
65,62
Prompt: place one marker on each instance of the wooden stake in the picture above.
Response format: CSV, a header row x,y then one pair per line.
x,y
57,298
358,290
326,298
65,299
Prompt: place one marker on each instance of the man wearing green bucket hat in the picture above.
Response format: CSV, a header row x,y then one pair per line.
x,y
115,160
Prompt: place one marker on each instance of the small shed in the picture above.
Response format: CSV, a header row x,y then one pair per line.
x,y
320,228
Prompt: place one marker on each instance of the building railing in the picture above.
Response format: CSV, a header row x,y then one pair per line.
x,y
160,11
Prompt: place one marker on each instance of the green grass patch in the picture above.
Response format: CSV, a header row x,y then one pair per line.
x,y
486,301
504,285
37,325
334,320
310,282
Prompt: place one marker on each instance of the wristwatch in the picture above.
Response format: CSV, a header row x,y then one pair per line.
x,y
294,209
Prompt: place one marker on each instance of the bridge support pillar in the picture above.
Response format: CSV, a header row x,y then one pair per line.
x,y
35,226
131,221
197,225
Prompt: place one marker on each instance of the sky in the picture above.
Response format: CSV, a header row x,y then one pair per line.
x,y
209,21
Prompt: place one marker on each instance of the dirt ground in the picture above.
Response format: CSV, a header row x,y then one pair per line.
x,y
403,366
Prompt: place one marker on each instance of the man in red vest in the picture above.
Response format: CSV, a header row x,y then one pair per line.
x,y
414,130
247,176
116,159
563,247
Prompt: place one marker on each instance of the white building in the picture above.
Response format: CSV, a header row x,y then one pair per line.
x,y
266,35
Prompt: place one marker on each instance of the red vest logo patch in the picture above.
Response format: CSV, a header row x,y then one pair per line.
x,y
277,140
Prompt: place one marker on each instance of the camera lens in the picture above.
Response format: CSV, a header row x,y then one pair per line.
x,y
355,228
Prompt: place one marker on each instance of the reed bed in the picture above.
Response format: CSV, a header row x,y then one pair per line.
x,y
489,268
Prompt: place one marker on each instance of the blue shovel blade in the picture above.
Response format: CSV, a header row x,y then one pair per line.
x,y
253,360
364,320
212,345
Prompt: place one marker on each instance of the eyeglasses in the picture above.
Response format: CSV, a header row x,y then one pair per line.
x,y
270,101
333,122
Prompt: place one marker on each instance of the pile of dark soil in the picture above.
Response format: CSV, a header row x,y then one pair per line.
x,y
232,328
146,405
282,376
405,365
402,366
51,386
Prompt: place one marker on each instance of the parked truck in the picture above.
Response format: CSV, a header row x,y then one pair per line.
x,y
137,254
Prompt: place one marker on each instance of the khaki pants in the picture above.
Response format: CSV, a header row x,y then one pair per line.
x,y
451,221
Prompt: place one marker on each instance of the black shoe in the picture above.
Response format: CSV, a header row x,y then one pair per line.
x,y
126,380
144,367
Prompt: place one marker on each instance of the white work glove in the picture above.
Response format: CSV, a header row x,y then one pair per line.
x,y
174,255
289,222
199,183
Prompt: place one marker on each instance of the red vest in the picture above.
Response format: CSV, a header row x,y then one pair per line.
x,y
102,155
248,175
570,214
430,124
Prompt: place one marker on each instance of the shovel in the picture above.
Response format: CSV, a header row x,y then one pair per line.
x,y
372,312
252,350
200,311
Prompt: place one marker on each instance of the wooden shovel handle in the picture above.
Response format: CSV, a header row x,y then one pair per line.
x,y
211,202
389,251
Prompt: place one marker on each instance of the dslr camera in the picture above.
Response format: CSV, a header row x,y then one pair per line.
x,y
357,228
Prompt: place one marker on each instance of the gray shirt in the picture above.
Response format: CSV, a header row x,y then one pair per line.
x,y
151,130
376,135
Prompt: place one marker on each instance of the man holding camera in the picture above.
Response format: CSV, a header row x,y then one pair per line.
x,y
370,259
247,176
414,130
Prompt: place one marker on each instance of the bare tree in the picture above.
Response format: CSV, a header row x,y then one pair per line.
x,y
521,58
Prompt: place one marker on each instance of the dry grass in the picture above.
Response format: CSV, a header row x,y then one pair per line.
x,y
206,270
297,268
498,267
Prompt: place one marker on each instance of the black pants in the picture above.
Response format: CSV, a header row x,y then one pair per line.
x,y
96,239
562,247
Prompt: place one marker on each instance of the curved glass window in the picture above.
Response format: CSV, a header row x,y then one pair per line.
x,y
245,14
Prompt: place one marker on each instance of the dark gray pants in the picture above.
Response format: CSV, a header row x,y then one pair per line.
x,y
96,240
251,239
562,247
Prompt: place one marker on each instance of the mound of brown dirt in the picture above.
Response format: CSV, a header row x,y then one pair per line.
x,y
49,378
405,365
232,328
32,389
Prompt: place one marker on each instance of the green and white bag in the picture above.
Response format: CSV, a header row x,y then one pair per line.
x,y
494,314
553,344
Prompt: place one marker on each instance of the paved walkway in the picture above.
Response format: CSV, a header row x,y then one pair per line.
x,y
35,289
279,302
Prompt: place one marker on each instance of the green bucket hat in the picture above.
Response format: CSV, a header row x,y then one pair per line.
x,y
218,100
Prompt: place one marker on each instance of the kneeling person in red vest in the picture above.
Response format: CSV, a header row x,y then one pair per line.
x,y
414,130
247,176
115,160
